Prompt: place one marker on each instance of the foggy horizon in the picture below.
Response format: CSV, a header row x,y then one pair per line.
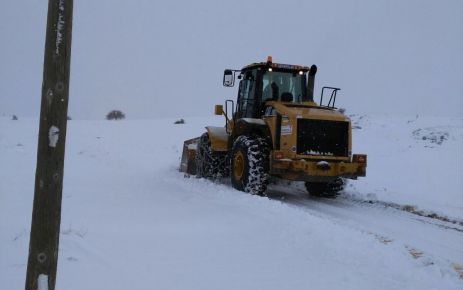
x,y
167,59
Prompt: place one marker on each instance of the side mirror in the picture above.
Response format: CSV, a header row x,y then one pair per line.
x,y
228,78
218,110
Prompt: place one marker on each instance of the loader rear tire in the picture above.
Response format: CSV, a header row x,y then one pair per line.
x,y
325,189
210,164
250,164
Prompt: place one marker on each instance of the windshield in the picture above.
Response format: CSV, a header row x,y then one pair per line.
x,y
283,86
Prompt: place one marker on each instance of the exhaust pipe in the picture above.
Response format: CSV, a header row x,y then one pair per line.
x,y
311,82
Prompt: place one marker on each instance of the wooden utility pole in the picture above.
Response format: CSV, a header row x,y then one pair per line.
x,y
46,214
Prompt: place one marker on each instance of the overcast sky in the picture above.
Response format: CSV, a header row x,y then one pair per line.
x,y
166,58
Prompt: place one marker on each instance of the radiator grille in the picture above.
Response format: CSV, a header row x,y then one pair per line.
x,y
320,137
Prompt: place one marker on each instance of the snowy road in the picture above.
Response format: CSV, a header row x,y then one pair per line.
x,y
427,239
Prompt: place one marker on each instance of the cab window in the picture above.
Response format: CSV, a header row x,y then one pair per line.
x,y
283,86
246,97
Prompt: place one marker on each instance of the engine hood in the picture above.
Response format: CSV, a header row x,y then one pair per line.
x,y
308,111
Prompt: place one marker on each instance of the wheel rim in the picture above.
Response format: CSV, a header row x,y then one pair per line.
x,y
238,165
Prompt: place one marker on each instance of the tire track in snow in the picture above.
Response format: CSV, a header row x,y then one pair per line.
x,y
427,239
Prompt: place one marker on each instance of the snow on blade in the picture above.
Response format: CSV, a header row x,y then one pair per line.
x,y
193,146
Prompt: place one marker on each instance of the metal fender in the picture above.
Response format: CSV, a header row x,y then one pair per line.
x,y
218,137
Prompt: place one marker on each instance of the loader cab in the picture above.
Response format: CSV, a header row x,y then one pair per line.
x,y
262,83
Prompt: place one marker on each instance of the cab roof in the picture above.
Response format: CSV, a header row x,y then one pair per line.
x,y
278,66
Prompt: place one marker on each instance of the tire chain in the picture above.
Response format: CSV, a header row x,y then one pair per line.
x,y
258,153
214,165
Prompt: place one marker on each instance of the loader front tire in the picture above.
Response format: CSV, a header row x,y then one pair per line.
x,y
250,164
209,164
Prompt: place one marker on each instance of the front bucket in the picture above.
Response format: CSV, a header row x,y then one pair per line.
x,y
188,162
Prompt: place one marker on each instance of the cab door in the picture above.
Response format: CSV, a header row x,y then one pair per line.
x,y
246,106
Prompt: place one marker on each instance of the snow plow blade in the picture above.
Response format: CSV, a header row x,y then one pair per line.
x,y
188,162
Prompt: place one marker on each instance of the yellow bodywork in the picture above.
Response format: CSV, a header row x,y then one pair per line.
x,y
218,137
308,170
288,139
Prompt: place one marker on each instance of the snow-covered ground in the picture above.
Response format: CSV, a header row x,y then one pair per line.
x,y
130,220
413,161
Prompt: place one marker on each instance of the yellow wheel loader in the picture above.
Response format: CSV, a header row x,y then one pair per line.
x,y
277,129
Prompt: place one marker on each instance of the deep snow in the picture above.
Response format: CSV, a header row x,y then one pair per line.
x,y
412,160
130,220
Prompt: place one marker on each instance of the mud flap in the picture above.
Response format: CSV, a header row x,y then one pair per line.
x,y
188,163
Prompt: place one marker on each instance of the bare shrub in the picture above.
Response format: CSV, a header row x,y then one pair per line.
x,y
115,115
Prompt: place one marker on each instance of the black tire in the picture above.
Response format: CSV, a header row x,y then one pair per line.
x,y
251,173
210,164
325,189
